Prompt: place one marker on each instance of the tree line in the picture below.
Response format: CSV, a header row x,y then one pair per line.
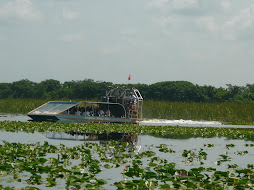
x,y
177,91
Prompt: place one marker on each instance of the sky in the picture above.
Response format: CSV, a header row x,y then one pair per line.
x,y
206,42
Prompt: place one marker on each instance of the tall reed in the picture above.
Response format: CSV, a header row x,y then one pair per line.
x,y
19,106
226,112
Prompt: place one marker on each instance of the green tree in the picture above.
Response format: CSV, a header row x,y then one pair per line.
x,y
23,89
51,85
5,90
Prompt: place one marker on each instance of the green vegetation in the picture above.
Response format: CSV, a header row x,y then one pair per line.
x,y
159,131
36,165
19,106
163,100
234,113
42,165
174,91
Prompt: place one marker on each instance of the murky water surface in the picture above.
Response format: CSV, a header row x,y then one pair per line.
x,y
148,122
145,142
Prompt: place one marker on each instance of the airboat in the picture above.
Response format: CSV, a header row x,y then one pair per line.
x,y
119,105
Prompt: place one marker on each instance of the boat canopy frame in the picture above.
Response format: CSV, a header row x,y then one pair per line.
x,y
42,110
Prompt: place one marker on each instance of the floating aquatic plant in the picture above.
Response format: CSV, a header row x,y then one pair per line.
x,y
157,131
78,167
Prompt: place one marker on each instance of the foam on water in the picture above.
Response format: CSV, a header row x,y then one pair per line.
x,y
190,123
180,122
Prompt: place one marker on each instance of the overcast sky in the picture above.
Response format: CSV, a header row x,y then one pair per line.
x,y
206,42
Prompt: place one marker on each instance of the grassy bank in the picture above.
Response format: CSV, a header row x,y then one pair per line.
x,y
226,112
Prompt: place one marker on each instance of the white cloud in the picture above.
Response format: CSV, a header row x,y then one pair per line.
x,y
208,23
222,19
71,37
225,5
185,4
69,14
173,5
240,26
20,9
111,50
244,20
167,20
129,35
158,4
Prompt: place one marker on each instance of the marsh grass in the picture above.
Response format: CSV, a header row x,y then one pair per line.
x,y
231,113
19,106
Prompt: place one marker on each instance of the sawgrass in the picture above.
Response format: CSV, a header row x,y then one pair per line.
x,y
233,113
20,106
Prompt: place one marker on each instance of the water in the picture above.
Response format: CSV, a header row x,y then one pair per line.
x,y
149,142
14,117
214,147
181,122
147,122
146,142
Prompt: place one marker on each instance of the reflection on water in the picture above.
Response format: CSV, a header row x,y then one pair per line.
x,y
102,137
14,117
239,152
147,142
214,148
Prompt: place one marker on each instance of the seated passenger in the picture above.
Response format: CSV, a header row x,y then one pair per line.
x,y
108,113
95,113
78,113
87,113
101,113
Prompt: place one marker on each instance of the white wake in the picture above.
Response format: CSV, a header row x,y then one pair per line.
x,y
180,122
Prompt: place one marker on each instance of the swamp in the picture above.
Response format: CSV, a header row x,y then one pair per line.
x,y
120,156
155,154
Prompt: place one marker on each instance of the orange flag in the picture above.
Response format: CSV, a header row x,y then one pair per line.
x,y
129,78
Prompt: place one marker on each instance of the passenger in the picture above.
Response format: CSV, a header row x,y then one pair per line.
x,y
82,110
101,113
78,113
95,112
72,111
108,113
132,99
87,113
